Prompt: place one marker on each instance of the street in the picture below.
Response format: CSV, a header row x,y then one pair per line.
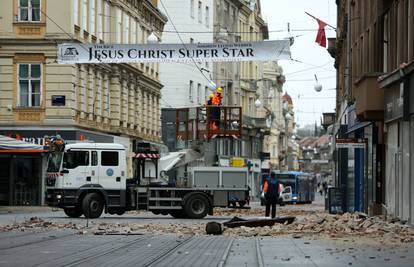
x,y
51,239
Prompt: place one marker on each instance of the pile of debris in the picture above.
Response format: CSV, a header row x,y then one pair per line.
x,y
37,223
334,227
348,226
257,212
137,229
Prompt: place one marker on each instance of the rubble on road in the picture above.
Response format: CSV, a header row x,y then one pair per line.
x,y
315,225
335,227
38,223
257,212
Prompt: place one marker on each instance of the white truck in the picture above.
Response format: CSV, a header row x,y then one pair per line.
x,y
91,178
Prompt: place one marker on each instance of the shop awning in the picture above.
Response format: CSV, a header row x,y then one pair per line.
x,y
11,145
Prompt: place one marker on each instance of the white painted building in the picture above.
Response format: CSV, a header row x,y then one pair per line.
x,y
184,84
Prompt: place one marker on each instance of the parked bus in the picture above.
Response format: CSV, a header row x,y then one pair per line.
x,y
302,185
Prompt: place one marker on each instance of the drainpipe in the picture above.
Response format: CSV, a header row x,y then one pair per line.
x,y
348,55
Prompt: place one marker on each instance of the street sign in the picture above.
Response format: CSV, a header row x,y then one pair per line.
x,y
237,162
350,143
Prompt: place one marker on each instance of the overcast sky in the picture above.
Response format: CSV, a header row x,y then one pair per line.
x,y
300,80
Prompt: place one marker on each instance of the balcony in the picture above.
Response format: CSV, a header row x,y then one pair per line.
x,y
258,123
369,98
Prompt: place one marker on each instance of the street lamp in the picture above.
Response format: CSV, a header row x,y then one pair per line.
x,y
152,39
258,103
318,86
288,117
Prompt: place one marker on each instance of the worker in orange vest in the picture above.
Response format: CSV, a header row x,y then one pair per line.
x,y
215,114
217,99
271,193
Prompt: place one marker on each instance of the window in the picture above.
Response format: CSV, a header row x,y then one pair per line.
x,y
92,17
199,12
29,85
75,12
85,93
74,159
109,158
94,158
225,15
191,91
107,28
126,27
100,88
207,17
29,10
77,85
108,96
85,15
385,42
206,93
133,31
99,13
92,91
118,25
199,93
251,105
192,8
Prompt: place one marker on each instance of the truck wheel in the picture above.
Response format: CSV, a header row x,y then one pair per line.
x,y
73,212
92,205
196,206
156,212
120,212
242,203
281,203
178,214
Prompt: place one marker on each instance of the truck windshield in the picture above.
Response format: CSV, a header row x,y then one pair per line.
x,y
55,159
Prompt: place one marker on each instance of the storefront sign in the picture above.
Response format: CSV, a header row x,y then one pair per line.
x,y
70,53
350,143
237,162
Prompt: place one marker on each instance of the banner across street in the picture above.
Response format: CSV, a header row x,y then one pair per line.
x,y
70,53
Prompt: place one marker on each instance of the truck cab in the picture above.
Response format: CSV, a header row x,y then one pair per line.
x,y
87,177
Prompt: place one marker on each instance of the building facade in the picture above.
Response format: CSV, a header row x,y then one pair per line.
x,y
187,84
374,54
271,97
98,102
241,21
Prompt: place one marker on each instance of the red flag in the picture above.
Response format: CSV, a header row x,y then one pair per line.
x,y
321,36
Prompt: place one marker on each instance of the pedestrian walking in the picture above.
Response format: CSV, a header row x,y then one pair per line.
x,y
271,193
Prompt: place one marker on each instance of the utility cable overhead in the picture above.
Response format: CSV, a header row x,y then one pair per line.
x,y
182,41
63,30
313,67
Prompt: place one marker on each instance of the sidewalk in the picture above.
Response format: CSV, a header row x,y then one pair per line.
x,y
23,209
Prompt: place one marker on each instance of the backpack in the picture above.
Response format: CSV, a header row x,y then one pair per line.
x,y
273,187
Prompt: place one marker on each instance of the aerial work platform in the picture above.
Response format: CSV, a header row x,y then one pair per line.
x,y
210,122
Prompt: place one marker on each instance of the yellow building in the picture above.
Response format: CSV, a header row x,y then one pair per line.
x,y
104,103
